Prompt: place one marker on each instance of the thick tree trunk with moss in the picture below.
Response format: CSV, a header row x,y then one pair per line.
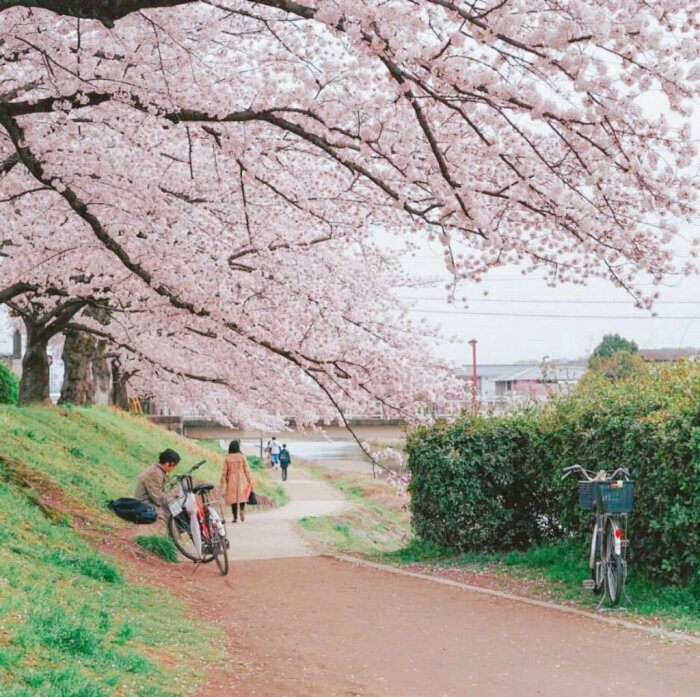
x,y
41,324
34,384
120,393
101,374
78,354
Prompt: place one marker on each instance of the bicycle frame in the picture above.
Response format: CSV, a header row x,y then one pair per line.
x,y
212,532
608,490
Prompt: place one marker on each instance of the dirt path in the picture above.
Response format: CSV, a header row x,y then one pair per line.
x,y
310,626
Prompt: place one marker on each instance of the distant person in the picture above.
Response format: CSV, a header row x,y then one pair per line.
x,y
236,481
153,481
274,448
285,461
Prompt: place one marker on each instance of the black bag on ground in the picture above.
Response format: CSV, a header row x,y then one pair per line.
x,y
252,499
134,511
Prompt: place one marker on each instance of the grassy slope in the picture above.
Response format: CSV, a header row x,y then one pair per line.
x,y
70,624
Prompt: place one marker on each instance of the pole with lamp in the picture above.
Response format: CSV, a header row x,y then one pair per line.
x,y
475,403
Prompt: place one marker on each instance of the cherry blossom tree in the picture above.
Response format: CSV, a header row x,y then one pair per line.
x,y
210,149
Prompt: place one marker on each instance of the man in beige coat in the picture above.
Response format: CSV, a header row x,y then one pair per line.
x,y
153,481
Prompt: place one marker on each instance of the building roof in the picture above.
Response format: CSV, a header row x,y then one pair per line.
x,y
552,373
668,354
501,372
489,370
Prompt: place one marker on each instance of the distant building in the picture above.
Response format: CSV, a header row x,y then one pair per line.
x,y
663,355
13,357
503,383
11,351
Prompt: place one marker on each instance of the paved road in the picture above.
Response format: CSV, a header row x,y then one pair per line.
x,y
271,533
310,626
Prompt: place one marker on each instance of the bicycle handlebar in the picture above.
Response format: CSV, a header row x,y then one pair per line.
x,y
603,475
184,475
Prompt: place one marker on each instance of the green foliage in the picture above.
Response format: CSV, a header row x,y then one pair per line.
x,y
92,565
494,484
612,344
158,545
9,385
621,365
73,625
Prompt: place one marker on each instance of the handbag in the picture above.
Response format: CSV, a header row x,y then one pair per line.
x,y
134,510
252,498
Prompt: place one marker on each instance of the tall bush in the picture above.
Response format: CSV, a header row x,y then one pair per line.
x,y
496,483
9,385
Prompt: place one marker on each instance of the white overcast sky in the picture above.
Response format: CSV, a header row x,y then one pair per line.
x,y
522,318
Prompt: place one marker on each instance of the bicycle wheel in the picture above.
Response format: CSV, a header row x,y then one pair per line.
x,y
595,561
614,573
181,535
221,553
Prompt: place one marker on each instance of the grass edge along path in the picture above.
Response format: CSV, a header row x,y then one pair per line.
x,y
72,624
552,573
377,521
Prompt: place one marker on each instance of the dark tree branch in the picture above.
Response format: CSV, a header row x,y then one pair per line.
x,y
105,11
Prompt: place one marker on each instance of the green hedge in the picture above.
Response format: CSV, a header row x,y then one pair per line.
x,y
9,385
495,483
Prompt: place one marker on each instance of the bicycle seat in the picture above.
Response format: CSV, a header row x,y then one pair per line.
x,y
202,487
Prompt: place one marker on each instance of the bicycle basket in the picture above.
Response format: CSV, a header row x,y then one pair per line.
x,y
176,505
585,495
614,497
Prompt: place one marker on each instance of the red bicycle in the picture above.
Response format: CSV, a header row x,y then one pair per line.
x,y
194,525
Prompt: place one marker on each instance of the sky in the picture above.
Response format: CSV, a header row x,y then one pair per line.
x,y
572,319
505,325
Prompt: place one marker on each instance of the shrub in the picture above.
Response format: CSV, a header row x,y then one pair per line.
x,y
158,545
9,385
91,566
495,483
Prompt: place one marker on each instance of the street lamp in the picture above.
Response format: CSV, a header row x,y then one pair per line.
x,y
475,403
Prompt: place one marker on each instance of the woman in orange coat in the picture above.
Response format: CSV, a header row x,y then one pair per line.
x,y
236,480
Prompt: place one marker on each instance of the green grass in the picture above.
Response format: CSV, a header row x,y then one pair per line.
x,y
159,546
71,624
557,571
371,527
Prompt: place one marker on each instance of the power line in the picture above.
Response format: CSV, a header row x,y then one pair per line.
x,y
558,302
529,314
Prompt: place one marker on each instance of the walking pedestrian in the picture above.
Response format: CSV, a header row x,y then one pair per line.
x,y
274,448
285,461
236,480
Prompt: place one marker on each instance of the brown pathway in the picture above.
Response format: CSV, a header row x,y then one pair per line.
x,y
317,627
309,626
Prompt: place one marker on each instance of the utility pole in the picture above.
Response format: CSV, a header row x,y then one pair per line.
x,y
475,403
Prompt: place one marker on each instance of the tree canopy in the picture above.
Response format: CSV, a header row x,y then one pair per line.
x,y
612,344
220,174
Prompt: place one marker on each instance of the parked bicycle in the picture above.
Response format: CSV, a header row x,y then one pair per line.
x,y
609,496
198,533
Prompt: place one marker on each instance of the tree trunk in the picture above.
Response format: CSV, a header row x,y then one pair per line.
x,y
34,384
120,394
78,353
101,376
